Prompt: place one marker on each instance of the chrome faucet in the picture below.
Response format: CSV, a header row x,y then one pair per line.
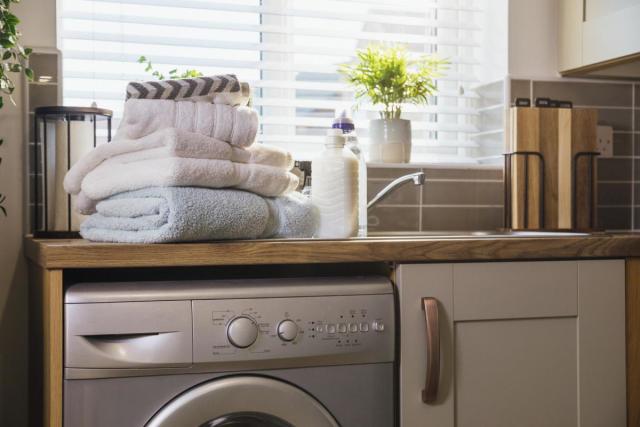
x,y
417,178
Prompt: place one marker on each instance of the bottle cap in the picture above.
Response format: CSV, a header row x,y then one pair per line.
x,y
335,138
343,121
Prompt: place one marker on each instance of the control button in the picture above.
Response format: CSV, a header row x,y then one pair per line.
x,y
242,332
287,330
364,327
319,328
377,326
353,327
331,328
342,328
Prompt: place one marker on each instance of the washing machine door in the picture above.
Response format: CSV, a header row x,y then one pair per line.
x,y
244,401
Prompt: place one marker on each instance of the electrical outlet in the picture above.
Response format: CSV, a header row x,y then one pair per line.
x,y
605,141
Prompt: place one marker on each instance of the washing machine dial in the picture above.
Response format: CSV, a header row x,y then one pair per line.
x,y
242,332
287,330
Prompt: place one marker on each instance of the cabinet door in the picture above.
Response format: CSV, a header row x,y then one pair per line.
x,y
610,30
597,31
521,344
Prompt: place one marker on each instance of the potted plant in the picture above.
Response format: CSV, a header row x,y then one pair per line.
x,y
12,60
388,77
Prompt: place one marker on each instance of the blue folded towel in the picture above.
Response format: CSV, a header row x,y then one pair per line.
x,y
179,214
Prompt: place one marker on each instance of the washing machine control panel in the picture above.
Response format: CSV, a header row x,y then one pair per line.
x,y
358,328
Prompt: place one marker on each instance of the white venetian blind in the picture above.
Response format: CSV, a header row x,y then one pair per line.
x,y
288,50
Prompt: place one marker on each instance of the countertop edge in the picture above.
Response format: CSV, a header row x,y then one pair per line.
x,y
78,253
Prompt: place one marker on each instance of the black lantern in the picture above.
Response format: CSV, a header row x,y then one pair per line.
x,y
61,136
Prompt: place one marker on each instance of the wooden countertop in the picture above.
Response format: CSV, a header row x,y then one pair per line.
x,y
78,253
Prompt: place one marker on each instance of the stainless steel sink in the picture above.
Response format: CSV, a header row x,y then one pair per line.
x,y
472,234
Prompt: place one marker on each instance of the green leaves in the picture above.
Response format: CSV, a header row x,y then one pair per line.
x,y
13,55
173,74
12,60
388,77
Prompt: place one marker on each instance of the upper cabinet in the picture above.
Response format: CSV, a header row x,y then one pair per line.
x,y
599,38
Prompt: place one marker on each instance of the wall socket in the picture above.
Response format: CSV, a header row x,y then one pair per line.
x,y
605,141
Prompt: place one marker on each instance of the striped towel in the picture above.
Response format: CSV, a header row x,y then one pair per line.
x,y
220,89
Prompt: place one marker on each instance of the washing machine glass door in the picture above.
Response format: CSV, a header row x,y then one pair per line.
x,y
243,401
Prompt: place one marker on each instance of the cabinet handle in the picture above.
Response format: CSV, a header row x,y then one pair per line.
x,y
430,308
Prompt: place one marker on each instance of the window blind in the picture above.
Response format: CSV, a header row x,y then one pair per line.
x,y
289,51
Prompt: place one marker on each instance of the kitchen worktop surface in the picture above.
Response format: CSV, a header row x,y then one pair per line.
x,y
78,253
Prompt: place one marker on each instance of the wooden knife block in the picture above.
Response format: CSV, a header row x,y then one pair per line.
x,y
558,134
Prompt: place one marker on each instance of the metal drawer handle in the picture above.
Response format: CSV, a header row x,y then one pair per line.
x,y
430,308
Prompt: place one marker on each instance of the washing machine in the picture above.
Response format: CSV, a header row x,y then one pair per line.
x,y
290,352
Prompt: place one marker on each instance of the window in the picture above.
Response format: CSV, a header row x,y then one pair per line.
x,y
288,50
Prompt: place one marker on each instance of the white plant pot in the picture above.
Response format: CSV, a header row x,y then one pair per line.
x,y
390,141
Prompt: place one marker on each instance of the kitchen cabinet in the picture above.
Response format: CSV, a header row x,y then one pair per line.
x,y
599,37
512,344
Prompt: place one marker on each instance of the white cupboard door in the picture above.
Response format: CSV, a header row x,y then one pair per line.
x,y
415,282
521,344
610,30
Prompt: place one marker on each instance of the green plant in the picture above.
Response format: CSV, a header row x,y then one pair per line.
x,y
12,60
387,76
173,74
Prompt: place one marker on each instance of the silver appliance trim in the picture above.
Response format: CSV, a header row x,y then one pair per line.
x,y
96,292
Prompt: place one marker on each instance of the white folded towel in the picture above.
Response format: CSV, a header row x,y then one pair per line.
x,y
112,178
235,125
173,142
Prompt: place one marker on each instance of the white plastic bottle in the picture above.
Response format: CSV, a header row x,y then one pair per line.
x,y
334,174
345,122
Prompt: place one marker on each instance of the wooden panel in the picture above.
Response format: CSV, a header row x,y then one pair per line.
x,y
83,254
516,373
414,282
601,343
633,341
564,191
584,137
514,290
525,175
52,309
549,148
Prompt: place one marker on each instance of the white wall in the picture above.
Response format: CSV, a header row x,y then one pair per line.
x,y
39,29
533,38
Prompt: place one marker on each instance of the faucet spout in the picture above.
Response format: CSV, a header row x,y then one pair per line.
x,y
417,178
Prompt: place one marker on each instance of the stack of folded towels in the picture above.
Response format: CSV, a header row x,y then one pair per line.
x,y
179,170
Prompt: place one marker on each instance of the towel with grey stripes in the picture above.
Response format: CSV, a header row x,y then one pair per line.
x,y
220,89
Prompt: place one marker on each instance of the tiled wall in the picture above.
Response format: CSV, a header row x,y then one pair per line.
x,y
450,199
472,198
618,106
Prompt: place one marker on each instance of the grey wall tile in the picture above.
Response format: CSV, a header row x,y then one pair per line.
x,y
636,144
520,89
462,193
613,169
461,219
461,173
614,218
636,170
637,89
384,218
622,144
614,194
591,94
618,119
636,218
389,173
408,194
